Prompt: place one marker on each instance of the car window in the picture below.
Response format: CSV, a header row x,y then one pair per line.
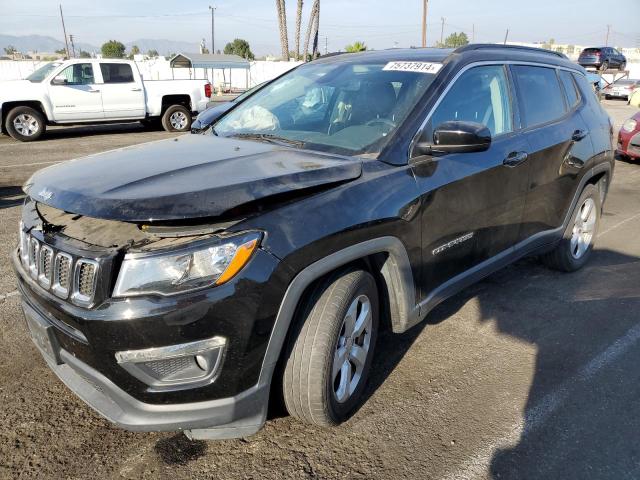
x,y
343,107
41,73
569,88
480,95
540,95
78,74
116,73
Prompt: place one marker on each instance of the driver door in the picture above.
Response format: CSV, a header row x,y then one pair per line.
x,y
75,95
472,203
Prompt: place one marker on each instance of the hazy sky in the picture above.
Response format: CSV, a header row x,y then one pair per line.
x,y
381,24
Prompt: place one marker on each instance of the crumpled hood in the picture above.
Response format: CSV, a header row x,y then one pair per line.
x,y
192,176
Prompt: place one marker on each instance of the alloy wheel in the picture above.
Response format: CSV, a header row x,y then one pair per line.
x,y
26,125
583,228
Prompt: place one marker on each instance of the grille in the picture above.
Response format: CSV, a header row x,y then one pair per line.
x,y
62,274
58,271
167,368
86,278
46,265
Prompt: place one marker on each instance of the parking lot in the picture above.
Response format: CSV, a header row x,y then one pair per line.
x,y
528,374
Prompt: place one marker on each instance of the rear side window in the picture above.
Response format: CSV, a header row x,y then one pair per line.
x,y
480,95
569,88
540,95
116,73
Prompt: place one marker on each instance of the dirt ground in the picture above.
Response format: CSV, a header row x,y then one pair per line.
x,y
528,374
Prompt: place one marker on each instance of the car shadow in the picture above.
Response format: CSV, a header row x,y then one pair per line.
x,y
582,414
93,130
11,197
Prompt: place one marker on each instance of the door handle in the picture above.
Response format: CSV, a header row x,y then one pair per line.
x,y
136,89
578,135
94,91
515,158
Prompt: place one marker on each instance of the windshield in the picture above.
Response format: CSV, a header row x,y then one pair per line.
x,y
42,73
348,108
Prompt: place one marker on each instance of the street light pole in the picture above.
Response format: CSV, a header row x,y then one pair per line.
x,y
213,46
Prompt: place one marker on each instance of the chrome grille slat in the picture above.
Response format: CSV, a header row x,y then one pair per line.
x,y
45,265
84,281
62,274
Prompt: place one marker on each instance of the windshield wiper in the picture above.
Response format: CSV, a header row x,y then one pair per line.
x,y
270,138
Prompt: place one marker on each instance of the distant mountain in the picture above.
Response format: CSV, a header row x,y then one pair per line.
x,y
163,46
40,43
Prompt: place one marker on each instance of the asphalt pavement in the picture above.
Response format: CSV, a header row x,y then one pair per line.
x,y
529,374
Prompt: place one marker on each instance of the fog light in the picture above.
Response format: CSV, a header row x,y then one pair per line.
x,y
185,365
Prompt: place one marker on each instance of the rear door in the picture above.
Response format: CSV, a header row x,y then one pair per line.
x,y
472,202
122,92
78,97
559,144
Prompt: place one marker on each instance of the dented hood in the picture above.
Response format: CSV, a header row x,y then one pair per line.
x,y
192,176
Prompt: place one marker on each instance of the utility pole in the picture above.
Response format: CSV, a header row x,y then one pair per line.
x,y
66,44
425,5
326,45
473,33
442,32
606,42
213,45
506,35
73,48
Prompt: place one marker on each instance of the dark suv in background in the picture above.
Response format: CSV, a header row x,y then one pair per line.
x,y
181,284
602,58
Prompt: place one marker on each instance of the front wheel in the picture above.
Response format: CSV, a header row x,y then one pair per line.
x,y
177,118
575,248
329,354
605,66
623,66
25,124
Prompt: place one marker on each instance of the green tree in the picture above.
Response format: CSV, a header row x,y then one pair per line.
x,y
239,47
113,49
61,51
84,54
454,40
356,47
135,50
152,53
10,50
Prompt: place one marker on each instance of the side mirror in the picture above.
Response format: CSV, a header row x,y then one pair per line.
x,y
456,137
59,80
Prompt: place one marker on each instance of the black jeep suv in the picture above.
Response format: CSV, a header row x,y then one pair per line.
x,y
175,285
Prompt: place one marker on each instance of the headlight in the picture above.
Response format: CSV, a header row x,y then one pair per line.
x,y
629,125
191,268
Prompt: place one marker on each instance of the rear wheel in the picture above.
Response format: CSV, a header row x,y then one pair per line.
x,y
329,355
605,66
177,118
623,66
25,124
575,248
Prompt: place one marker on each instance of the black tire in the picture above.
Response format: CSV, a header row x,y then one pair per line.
x,y
32,117
623,66
308,383
563,257
607,97
177,110
605,66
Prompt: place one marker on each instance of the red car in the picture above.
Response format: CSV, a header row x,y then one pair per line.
x,y
629,138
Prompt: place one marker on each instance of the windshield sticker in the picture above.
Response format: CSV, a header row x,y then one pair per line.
x,y
420,67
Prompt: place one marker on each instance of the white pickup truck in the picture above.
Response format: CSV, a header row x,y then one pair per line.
x,y
96,91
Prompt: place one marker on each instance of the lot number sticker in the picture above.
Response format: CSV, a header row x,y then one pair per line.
x,y
420,67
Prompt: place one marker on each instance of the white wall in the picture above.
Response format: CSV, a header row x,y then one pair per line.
x,y
158,69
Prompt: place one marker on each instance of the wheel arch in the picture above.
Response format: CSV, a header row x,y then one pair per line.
x,y
170,100
35,104
385,257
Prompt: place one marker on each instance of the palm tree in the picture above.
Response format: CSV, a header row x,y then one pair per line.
x,y
356,47
312,27
282,23
298,25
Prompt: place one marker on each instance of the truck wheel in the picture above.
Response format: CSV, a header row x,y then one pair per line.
x,y
329,355
575,248
177,118
25,124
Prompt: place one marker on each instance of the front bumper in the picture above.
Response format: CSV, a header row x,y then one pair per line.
x,y
629,144
234,405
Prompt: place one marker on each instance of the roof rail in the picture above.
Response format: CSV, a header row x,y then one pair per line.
x,y
482,46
